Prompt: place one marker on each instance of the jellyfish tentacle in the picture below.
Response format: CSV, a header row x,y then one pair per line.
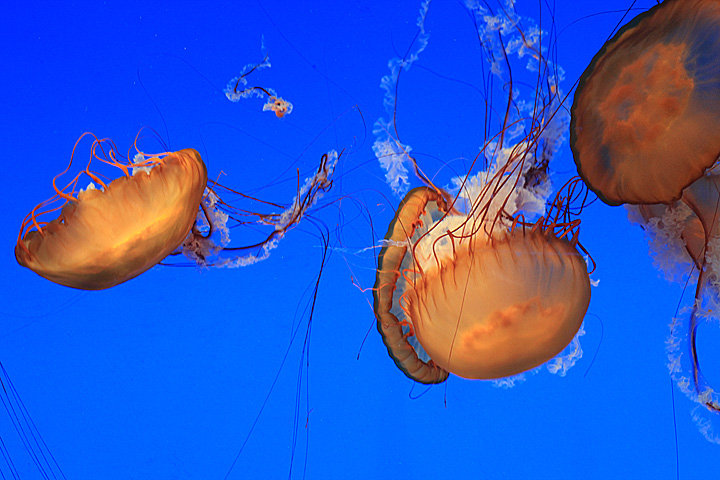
x,y
703,198
703,390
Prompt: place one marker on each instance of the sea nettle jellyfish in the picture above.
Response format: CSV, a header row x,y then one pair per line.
x,y
238,88
481,295
645,131
466,283
161,205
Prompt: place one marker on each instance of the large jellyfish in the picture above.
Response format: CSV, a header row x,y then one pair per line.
x,y
466,283
645,131
162,205
485,295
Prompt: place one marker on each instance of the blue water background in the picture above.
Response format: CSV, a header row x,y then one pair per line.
x,y
162,377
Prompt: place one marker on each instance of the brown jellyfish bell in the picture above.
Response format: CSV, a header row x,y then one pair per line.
x,y
645,131
107,236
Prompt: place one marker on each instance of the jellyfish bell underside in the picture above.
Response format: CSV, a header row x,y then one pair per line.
x,y
495,308
109,236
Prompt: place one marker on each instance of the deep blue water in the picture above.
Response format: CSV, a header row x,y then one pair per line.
x,y
163,377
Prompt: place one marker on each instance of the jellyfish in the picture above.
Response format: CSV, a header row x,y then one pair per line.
x,y
237,88
466,282
482,301
161,205
107,236
645,131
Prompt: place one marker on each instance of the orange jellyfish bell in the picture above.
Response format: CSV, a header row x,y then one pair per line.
x,y
107,236
645,121
492,306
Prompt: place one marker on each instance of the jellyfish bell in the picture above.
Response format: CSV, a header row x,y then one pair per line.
x,y
646,107
524,300
104,237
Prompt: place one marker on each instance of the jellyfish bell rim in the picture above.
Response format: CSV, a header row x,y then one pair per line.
x,y
162,234
388,325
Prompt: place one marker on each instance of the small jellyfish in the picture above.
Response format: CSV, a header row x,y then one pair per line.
x,y
280,106
237,89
